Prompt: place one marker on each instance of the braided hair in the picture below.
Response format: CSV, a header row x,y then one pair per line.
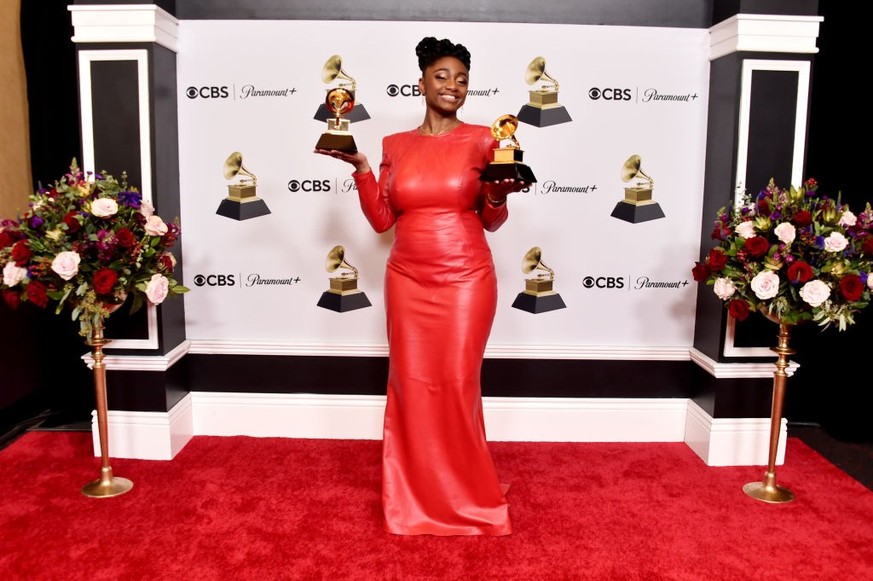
x,y
429,50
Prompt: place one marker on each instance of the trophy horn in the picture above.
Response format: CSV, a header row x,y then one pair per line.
x,y
536,71
631,169
336,259
233,166
333,69
504,128
533,261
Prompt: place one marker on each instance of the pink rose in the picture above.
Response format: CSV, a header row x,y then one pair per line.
x,y
785,232
746,229
104,207
146,209
724,288
765,284
12,275
836,242
815,292
66,264
154,226
848,219
157,289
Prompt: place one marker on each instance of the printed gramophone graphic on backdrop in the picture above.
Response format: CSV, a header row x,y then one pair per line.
x,y
538,295
508,160
339,104
242,201
343,294
543,108
637,205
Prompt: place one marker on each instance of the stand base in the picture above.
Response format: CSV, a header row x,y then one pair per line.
x,y
508,171
242,210
543,117
337,141
773,494
107,486
358,113
342,303
538,304
636,213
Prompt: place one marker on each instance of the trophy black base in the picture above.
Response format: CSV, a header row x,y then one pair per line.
x,y
242,210
337,141
543,117
342,303
358,113
538,304
635,214
508,171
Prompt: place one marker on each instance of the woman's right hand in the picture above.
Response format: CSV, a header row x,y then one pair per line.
x,y
357,159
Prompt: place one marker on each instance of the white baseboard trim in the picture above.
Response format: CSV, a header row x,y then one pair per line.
x,y
147,435
718,442
732,441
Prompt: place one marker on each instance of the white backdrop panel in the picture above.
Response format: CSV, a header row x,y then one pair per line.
x,y
605,74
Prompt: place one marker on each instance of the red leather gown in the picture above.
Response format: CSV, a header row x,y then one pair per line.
x,y
440,297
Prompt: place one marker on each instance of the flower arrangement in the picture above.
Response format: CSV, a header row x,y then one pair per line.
x,y
792,254
87,243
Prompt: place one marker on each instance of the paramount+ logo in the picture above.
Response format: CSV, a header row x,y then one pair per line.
x,y
215,280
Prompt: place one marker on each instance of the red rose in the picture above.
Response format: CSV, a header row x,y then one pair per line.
x,y
6,239
104,280
757,246
11,298
36,294
867,246
738,309
125,238
802,219
73,225
764,207
700,272
799,272
851,287
717,259
21,253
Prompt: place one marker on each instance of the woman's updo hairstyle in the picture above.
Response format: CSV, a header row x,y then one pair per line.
x,y
430,50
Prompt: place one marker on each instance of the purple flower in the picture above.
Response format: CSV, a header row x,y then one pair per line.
x,y
863,276
36,222
820,241
130,199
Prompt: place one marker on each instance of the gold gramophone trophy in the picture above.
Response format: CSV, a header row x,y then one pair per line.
x,y
242,201
343,294
637,205
543,109
333,70
340,101
507,162
538,295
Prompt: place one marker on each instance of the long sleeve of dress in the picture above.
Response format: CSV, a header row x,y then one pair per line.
x,y
373,195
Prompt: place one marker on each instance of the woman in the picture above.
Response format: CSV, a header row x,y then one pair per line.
x,y
440,300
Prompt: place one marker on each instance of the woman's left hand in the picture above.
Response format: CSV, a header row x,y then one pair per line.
x,y
499,189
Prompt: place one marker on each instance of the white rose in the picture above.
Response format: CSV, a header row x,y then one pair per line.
x,y
848,219
66,264
746,229
724,288
157,289
835,242
146,209
154,226
815,292
12,275
785,232
104,207
765,284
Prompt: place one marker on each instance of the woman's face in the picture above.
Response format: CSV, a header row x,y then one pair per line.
x,y
444,85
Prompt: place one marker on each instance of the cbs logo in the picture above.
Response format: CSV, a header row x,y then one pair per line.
x,y
603,282
215,280
309,185
610,94
403,91
207,92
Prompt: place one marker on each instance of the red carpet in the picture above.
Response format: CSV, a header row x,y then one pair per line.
x,y
265,508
